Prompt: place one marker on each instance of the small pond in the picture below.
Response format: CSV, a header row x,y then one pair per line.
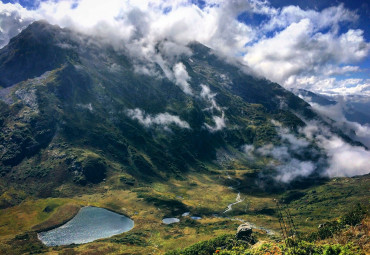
x,y
170,220
91,223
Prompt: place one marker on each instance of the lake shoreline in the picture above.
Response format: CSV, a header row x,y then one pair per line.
x,y
39,228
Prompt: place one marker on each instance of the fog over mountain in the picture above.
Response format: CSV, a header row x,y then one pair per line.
x,y
315,49
350,113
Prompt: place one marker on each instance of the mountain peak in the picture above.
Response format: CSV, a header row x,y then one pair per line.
x,y
199,48
40,31
40,24
31,53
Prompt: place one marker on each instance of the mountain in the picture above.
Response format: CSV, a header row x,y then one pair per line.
x,y
316,98
79,104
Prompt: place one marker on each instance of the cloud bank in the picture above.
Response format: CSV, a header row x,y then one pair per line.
x,y
291,46
297,156
344,159
337,112
289,161
13,19
219,123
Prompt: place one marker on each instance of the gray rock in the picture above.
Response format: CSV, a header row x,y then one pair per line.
x,y
244,232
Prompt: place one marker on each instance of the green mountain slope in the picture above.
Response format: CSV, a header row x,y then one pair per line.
x,y
71,102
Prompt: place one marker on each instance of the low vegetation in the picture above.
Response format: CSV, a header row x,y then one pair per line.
x,y
348,235
202,195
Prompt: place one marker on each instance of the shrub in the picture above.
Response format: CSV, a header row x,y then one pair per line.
x,y
330,228
355,216
309,248
206,247
94,169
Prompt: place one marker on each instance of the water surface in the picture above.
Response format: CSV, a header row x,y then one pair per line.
x,y
91,223
170,220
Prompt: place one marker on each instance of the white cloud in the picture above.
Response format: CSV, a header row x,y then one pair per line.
x,y
327,18
287,167
332,86
335,70
299,51
182,78
13,19
351,86
309,46
343,158
335,158
161,119
248,149
210,98
293,169
286,163
146,22
173,51
336,113
219,124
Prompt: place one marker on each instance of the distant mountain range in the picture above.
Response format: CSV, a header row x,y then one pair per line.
x,y
356,108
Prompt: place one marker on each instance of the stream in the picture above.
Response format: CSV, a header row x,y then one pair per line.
x,y
238,199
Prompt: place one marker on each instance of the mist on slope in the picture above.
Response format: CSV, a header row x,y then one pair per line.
x,y
339,110
313,150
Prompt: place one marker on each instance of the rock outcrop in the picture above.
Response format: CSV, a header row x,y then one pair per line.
x,y
244,232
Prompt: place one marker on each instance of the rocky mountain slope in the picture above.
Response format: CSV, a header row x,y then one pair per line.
x,y
69,102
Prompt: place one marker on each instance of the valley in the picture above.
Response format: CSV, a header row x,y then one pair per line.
x,y
201,195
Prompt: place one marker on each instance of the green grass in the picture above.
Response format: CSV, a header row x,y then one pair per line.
x,y
200,194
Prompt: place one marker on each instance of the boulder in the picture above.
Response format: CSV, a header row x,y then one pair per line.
x,y
244,232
